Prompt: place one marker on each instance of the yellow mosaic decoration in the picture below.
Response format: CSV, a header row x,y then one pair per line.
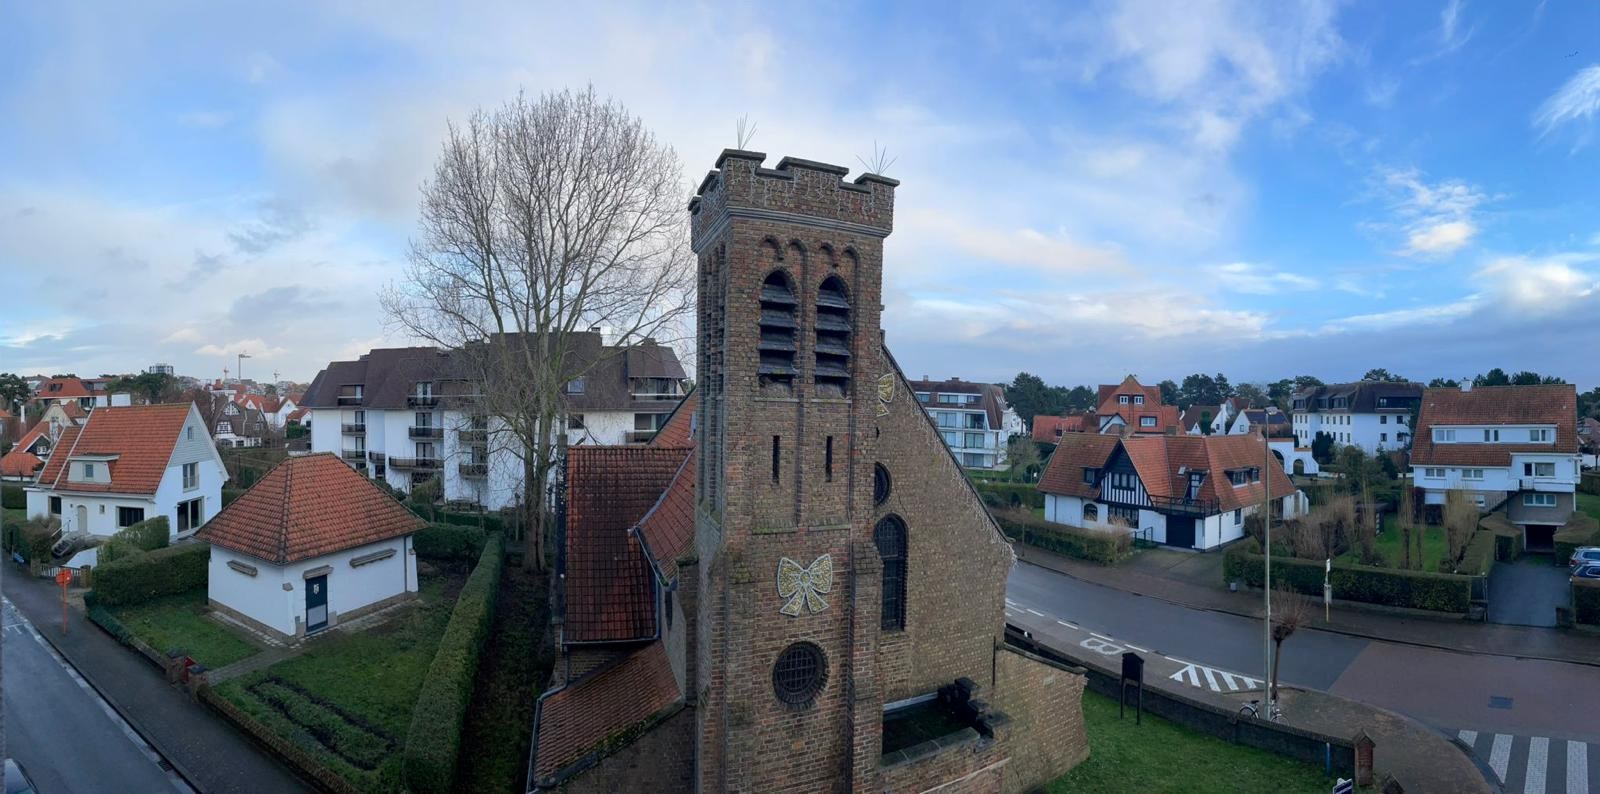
x,y
804,584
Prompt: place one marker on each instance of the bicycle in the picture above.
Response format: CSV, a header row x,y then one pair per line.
x,y
1253,711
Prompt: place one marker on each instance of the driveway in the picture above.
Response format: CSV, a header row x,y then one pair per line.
x,y
1526,592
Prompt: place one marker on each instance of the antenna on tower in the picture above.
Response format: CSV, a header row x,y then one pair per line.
x,y
240,372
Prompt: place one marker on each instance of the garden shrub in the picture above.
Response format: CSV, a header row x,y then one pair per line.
x,y
1586,601
1104,546
137,579
12,497
1007,495
1507,536
35,537
1438,592
1479,556
449,542
434,740
1580,530
1589,483
489,522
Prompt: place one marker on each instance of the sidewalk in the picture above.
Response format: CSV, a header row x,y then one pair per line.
x,y
1195,580
205,749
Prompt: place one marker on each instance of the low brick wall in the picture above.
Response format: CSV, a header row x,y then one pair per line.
x,y
1043,700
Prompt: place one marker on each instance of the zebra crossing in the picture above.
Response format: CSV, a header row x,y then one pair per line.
x,y
1537,764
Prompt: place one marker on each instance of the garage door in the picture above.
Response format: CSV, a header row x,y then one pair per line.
x,y
1539,537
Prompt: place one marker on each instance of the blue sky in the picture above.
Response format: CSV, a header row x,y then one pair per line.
x,y
1260,189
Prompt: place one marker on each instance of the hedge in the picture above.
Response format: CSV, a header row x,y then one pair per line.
x,y
174,569
1589,483
1507,536
488,522
1479,556
1438,592
1581,530
449,542
12,497
1586,601
1102,546
1004,495
434,740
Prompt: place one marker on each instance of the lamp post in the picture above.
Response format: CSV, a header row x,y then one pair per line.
x,y
1266,582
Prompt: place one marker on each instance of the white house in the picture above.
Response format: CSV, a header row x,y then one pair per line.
x,y
313,543
239,426
127,464
1515,446
1192,492
973,419
1372,415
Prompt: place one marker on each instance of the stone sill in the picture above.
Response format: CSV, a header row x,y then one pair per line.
x,y
929,748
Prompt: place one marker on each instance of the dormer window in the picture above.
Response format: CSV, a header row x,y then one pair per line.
x,y
1138,399
1147,421
832,372
88,471
1122,399
574,386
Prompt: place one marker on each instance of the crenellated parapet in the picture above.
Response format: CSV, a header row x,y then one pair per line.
x,y
797,191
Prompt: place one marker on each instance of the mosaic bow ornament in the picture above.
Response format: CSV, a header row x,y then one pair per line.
x,y
804,584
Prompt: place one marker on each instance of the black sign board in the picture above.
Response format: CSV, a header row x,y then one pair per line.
x,y
1132,675
1132,668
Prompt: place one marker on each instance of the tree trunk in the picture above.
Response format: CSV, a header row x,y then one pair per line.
x,y
1277,661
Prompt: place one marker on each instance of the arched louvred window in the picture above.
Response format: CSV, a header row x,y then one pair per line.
x,y
779,324
890,538
1091,513
832,373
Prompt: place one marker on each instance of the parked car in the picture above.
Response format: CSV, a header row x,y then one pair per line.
x,y
16,780
1584,554
1587,571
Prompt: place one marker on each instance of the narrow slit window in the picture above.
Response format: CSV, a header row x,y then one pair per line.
x,y
777,456
827,460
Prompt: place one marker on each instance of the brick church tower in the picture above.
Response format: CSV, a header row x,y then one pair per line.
x,y
791,263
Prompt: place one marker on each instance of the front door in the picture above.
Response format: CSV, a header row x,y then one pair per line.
x,y
316,603
1180,531
83,519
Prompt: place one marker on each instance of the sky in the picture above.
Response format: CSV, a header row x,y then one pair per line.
x,y
1156,188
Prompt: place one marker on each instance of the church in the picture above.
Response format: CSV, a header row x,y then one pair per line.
x,y
793,587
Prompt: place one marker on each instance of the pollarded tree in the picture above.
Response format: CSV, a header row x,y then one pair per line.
x,y
544,218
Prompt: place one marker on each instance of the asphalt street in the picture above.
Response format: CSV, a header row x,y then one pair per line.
x,y
66,737
1522,715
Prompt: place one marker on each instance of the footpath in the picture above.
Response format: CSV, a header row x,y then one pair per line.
x,y
207,751
1195,580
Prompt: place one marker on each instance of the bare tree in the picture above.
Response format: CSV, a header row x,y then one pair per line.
x,y
542,219
1291,611
1460,521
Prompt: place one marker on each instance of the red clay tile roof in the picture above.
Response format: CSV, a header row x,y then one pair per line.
x,y
1048,429
577,719
678,430
1074,453
1158,459
18,463
1555,404
39,430
74,411
306,507
60,389
142,436
609,589
1107,395
668,529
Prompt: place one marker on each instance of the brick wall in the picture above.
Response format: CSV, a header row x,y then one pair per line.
x,y
978,766
1044,703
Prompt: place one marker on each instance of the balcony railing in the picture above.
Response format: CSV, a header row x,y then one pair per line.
x,y
353,454
375,457
1178,504
413,463
473,436
425,432
1548,485
354,428
639,436
422,400
349,399
474,469
655,395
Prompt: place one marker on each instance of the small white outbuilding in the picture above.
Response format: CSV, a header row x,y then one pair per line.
x,y
312,544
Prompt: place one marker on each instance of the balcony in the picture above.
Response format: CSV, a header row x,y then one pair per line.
x,y
425,432
1183,506
475,470
638,436
422,401
354,454
473,436
349,399
375,457
1547,485
413,463
354,429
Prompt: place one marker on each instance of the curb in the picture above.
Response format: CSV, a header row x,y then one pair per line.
x,y
1327,629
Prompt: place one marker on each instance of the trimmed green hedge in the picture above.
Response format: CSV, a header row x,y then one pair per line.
x,y
1507,536
1581,530
488,522
434,740
1438,592
12,497
1586,601
1479,556
1004,495
139,578
449,542
1103,547
1589,483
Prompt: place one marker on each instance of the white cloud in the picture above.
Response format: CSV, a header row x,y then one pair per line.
x,y
1256,279
253,348
1542,285
1396,318
1437,219
1440,239
1577,101
1021,247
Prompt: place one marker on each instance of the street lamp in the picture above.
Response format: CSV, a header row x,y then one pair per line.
x,y
1266,582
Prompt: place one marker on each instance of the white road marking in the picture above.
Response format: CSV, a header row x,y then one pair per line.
x,y
1538,758
1102,636
1577,768
1137,648
1187,675
1067,624
1034,611
1211,679
1227,678
1010,603
1468,738
1500,756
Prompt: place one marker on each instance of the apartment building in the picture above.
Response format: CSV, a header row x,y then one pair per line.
x,y
1515,446
973,419
1372,415
408,415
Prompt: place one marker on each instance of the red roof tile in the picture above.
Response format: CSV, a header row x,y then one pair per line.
x,y
1076,452
609,588
306,507
668,529
1555,404
60,389
1106,397
678,430
1048,429
1158,460
18,463
74,411
577,719
142,436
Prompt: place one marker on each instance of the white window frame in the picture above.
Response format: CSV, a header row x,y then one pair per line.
x,y
191,476
1122,399
1147,421
1472,474
88,471
1437,473
1538,500
1138,399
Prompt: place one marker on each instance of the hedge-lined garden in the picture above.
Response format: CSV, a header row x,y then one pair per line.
x,y
1103,546
1437,592
1008,495
142,577
434,740
1586,601
1580,530
12,497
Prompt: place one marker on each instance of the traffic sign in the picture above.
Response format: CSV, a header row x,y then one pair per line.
x,y
64,577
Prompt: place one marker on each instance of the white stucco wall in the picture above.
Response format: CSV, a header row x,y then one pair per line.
x,y
264,598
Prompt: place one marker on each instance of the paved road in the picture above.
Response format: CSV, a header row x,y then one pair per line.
x,y
67,738
1522,699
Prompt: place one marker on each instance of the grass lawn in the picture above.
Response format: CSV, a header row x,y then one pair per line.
x,y
1589,503
348,698
513,670
1434,546
1159,756
179,621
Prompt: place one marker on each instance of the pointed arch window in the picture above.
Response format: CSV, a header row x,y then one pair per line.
x,y
779,324
832,372
890,538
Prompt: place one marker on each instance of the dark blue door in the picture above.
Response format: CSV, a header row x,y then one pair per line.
x,y
316,603
1180,531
